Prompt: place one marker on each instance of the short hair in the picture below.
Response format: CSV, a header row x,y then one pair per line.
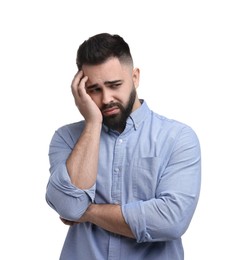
x,y
99,48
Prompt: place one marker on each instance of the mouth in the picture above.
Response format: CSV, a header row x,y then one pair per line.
x,y
111,111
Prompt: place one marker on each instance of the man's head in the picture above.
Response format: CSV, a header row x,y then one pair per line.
x,y
101,47
112,81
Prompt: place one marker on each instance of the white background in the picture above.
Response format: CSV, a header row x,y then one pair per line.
x,y
195,61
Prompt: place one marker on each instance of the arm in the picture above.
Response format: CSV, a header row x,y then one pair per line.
x,y
83,161
82,164
73,158
168,214
108,217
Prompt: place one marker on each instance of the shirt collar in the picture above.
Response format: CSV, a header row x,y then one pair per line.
x,y
138,116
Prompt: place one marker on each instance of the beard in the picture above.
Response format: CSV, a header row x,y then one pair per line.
x,y
118,121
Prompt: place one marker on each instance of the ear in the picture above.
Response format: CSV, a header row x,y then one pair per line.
x,y
135,77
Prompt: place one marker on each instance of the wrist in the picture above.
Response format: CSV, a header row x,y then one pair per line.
x,y
92,125
89,213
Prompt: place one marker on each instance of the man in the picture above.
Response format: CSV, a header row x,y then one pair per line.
x,y
125,179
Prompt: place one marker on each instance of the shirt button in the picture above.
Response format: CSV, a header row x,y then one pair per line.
x,y
120,141
116,169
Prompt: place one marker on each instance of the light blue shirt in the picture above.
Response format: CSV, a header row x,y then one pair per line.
x,y
152,170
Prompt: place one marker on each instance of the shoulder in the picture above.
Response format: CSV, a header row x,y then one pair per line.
x,y
168,123
72,126
71,131
173,128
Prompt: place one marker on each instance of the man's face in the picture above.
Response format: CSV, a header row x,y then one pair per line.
x,y
112,86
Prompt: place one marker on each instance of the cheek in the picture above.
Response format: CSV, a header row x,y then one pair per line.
x,y
124,94
121,98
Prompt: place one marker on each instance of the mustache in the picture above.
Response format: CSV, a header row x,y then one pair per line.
x,y
111,105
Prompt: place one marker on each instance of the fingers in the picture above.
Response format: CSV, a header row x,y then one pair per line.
x,y
67,222
78,84
86,106
81,86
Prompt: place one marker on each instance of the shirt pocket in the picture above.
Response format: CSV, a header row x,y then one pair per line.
x,y
145,177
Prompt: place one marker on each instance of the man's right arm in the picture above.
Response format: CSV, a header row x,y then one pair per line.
x,y
68,200
74,166
82,164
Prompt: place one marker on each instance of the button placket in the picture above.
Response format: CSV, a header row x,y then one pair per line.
x,y
117,164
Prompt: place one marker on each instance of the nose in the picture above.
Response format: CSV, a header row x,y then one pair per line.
x,y
106,96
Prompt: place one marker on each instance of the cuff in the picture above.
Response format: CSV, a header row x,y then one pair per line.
x,y
134,215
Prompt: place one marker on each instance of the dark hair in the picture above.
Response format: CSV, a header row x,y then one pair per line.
x,y
98,48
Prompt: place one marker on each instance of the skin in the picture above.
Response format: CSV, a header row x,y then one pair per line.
x,y
93,88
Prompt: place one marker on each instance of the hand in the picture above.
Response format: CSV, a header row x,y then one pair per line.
x,y
83,101
68,222
71,223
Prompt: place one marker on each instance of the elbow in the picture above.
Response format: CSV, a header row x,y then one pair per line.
x,y
169,233
172,232
175,232
72,213
176,228
67,206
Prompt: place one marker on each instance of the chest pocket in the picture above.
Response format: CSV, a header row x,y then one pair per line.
x,y
145,172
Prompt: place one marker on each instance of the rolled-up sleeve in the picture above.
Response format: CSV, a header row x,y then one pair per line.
x,y
69,201
168,215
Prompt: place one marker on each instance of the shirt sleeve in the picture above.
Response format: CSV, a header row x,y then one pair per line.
x,y
69,201
168,215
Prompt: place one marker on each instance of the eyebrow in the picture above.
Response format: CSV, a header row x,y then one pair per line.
x,y
108,82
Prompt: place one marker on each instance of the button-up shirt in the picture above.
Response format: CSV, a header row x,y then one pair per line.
x,y
152,169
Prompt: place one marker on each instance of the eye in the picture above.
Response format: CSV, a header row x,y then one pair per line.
x,y
115,85
93,90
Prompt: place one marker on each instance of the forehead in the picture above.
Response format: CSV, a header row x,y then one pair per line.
x,y
110,70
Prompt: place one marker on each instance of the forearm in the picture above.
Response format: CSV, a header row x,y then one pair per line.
x,y
82,164
108,217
